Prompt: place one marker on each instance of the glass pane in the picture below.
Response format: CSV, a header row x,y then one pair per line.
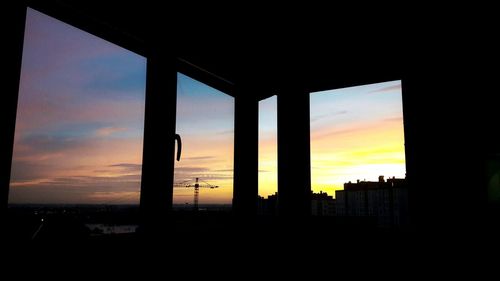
x,y
357,134
80,116
268,153
205,122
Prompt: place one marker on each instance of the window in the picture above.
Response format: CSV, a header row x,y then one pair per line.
x,y
205,121
357,142
268,156
268,147
80,118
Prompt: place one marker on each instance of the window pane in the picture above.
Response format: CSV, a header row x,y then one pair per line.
x,y
205,121
80,118
357,134
268,147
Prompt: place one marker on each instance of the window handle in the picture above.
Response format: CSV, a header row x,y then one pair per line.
x,y
179,146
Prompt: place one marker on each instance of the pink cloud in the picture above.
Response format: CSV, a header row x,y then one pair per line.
x,y
114,197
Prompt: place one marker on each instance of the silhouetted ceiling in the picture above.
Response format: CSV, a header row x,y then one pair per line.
x,y
262,49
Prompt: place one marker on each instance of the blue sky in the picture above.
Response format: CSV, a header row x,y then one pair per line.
x,y
80,118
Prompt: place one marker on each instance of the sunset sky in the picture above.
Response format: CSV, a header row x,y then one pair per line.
x,y
205,121
268,146
80,118
80,122
356,133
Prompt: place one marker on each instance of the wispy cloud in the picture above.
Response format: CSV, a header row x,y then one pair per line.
x,y
48,144
319,117
339,132
199,158
214,177
224,170
388,89
89,182
108,131
128,167
191,169
326,115
114,197
190,173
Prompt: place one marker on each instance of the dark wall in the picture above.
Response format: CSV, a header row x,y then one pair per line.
x,y
159,137
246,149
449,131
13,18
294,153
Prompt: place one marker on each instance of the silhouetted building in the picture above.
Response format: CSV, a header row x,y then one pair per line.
x,y
268,206
322,204
387,201
341,208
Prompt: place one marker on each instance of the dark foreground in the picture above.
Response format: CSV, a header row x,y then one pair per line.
x,y
217,240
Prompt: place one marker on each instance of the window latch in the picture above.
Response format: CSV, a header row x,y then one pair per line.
x,y
179,146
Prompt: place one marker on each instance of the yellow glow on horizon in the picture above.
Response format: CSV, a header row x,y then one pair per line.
x,y
363,147
335,161
268,168
268,147
212,162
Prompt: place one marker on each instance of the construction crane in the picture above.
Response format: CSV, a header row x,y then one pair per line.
x,y
197,185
